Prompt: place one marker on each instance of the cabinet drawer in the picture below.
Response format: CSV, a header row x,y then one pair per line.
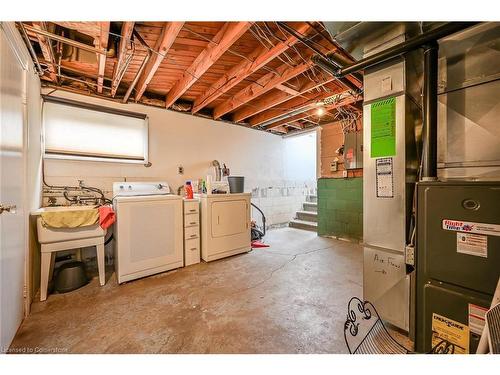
x,y
191,232
191,220
191,207
192,245
191,251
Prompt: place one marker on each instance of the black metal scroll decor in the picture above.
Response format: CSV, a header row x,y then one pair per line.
x,y
443,347
363,308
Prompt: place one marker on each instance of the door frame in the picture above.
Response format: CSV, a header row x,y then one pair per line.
x,y
20,50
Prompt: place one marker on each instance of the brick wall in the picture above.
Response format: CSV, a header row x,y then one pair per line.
x,y
331,139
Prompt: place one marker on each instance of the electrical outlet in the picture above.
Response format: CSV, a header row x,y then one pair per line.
x,y
344,174
180,169
334,166
410,255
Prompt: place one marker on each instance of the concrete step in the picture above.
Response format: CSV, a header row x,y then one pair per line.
x,y
312,198
310,206
301,224
307,216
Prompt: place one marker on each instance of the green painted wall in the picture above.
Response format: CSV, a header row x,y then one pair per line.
x,y
340,207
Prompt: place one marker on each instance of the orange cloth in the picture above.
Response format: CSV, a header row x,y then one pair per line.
x,y
106,216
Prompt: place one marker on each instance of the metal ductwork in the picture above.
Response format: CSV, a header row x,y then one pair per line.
x,y
429,156
399,49
320,58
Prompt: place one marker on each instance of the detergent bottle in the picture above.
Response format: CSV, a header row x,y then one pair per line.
x,y
189,190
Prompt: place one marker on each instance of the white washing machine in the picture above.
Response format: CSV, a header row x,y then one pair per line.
x,y
148,231
225,225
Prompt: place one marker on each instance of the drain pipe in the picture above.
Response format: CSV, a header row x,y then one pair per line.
x,y
429,131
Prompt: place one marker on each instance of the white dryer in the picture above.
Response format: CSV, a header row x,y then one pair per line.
x,y
148,231
225,225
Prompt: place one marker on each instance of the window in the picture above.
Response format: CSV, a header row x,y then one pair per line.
x,y
82,131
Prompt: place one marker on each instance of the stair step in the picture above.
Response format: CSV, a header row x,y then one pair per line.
x,y
307,216
302,224
310,206
312,198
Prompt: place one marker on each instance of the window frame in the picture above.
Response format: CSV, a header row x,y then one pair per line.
x,y
94,157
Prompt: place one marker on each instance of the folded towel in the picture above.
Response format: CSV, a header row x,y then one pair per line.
x,y
70,218
106,216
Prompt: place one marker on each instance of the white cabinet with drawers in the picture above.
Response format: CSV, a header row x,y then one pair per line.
x,y
191,231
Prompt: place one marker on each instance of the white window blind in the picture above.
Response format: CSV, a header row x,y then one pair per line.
x,y
99,133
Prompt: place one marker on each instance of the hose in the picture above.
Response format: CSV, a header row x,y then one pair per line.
x,y
263,218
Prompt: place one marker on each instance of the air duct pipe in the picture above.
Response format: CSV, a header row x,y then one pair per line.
x,y
320,56
429,131
400,49
328,65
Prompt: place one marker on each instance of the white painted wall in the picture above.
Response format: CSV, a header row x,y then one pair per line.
x,y
181,139
299,155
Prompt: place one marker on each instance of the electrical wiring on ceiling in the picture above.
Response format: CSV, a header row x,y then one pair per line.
x,y
263,34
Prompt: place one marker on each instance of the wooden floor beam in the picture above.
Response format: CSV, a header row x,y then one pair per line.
x,y
222,41
126,34
263,85
290,106
47,51
168,34
256,60
277,97
300,116
102,43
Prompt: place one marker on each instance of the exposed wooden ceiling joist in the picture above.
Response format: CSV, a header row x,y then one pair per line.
x,y
47,51
275,98
290,106
168,35
101,42
288,90
126,34
300,116
295,125
254,73
223,40
258,58
92,29
263,85
280,129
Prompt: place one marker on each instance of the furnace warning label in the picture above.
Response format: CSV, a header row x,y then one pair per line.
x,y
450,332
385,178
383,128
471,227
472,244
477,318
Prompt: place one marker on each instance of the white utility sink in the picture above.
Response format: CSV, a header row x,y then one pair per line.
x,y
50,235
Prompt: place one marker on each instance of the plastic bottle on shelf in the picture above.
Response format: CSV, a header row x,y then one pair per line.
x,y
189,190
209,184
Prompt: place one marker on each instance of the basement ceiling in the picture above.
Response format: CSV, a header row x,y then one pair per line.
x,y
255,74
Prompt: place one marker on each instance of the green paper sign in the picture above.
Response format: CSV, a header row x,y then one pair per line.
x,y
383,128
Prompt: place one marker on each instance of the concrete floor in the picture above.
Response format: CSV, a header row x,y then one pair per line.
x,y
289,298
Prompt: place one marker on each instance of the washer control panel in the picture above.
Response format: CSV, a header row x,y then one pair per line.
x,y
122,189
